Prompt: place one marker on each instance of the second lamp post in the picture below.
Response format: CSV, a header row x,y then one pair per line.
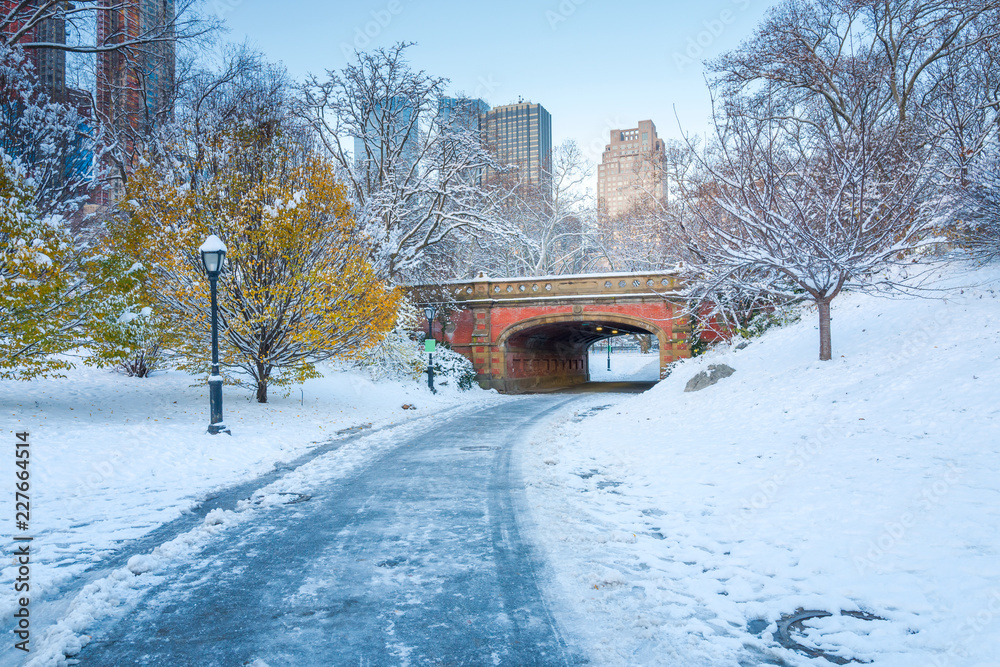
x,y
429,344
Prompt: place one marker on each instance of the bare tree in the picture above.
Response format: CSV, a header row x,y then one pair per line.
x,y
964,107
978,207
553,220
835,119
415,173
809,49
808,208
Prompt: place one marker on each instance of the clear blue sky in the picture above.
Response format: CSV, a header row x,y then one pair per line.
x,y
594,64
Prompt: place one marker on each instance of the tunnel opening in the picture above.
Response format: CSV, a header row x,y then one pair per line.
x,y
625,358
555,353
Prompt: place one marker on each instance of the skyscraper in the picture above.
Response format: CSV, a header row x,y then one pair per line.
x,y
135,85
631,173
521,135
462,112
390,128
49,64
461,115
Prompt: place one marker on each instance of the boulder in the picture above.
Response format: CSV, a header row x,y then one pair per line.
x,y
708,377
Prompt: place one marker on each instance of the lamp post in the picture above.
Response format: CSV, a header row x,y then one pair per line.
x,y
429,346
615,332
213,252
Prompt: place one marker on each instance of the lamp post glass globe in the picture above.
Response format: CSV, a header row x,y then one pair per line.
x,y
213,252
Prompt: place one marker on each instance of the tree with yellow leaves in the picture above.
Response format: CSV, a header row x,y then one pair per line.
x,y
41,292
297,287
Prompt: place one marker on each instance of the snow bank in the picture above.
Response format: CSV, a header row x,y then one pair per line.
x,y
682,526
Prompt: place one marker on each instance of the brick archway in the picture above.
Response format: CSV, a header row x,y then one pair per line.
x,y
523,334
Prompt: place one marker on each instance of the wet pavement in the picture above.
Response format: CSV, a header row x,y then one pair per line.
x,y
416,559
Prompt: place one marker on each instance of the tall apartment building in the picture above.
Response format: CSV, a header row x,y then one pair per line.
x,y
521,134
49,64
631,173
134,85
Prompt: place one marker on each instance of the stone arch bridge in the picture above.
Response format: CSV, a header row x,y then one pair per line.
x,y
525,334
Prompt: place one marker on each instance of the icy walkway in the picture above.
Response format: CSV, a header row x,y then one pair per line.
x,y
415,558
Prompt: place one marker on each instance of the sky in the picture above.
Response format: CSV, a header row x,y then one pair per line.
x,y
595,65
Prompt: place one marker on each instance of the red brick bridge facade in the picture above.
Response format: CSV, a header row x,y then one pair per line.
x,y
525,334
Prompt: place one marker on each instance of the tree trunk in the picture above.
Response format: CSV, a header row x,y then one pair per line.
x,y
825,346
262,374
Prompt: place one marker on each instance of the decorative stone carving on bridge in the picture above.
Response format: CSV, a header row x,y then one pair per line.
x,y
528,334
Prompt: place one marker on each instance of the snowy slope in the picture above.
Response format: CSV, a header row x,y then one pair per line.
x,y
682,526
114,457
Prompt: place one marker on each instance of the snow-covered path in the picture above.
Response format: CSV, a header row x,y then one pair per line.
x,y
416,558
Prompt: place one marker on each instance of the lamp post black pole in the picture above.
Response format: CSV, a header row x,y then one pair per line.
x,y
429,313
215,380
213,254
430,361
609,355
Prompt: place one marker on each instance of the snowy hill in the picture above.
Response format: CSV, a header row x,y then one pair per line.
x,y
683,526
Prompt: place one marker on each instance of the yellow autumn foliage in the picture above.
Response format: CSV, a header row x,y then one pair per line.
x,y
297,287
41,292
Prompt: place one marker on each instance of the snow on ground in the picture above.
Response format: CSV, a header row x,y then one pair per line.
x,y
114,457
625,367
682,526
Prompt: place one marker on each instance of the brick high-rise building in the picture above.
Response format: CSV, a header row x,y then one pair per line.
x,y
135,84
49,64
521,135
631,173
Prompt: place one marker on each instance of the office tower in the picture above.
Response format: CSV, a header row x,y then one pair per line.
x,y
631,174
391,132
462,112
521,135
462,115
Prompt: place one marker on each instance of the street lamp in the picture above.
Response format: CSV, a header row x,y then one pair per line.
x,y
429,344
614,332
213,252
